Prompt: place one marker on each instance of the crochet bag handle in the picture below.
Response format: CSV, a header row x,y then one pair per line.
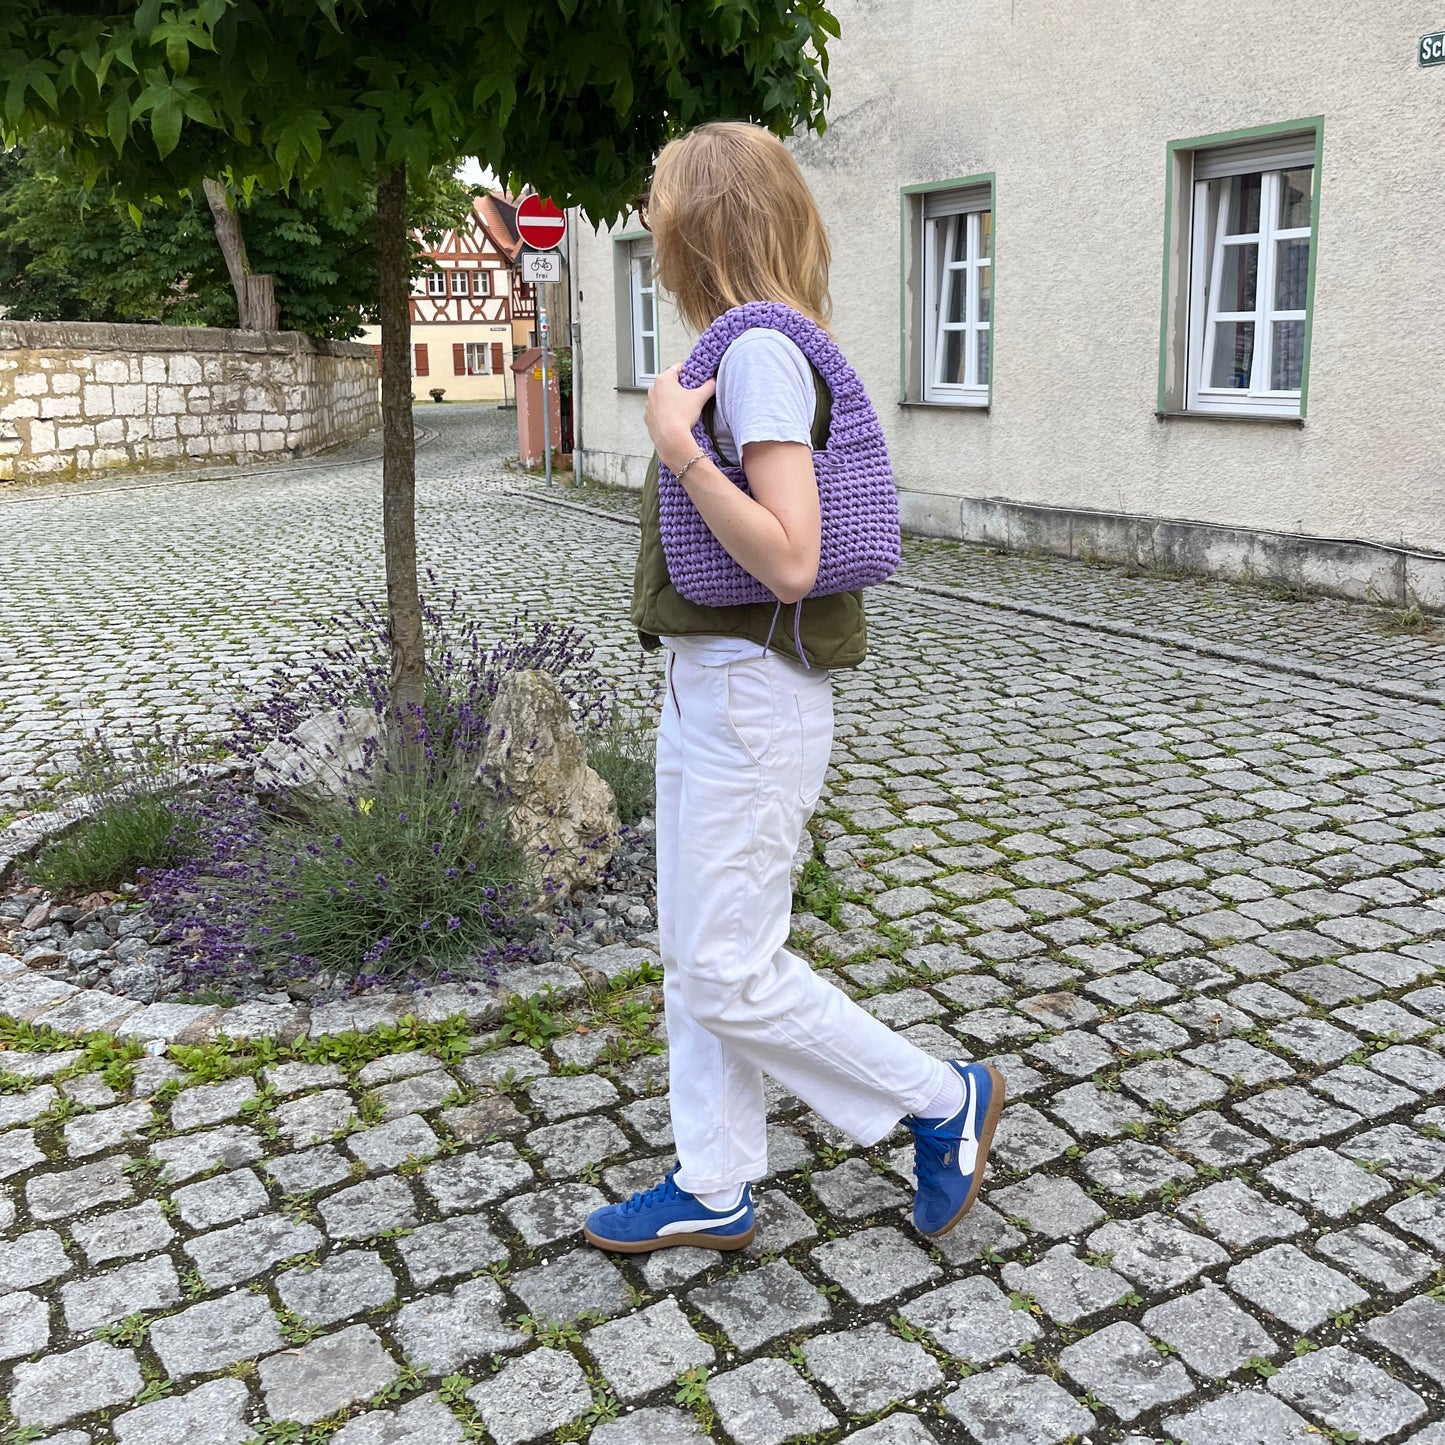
x,y
858,500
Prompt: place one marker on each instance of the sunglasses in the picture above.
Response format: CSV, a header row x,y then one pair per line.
x,y
639,206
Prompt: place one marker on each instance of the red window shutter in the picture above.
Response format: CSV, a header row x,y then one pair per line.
x,y
459,359
422,369
496,358
377,350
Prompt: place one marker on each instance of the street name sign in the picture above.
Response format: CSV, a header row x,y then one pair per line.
x,y
1432,48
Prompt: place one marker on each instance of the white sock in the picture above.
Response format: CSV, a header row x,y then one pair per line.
x,y
949,1098
721,1199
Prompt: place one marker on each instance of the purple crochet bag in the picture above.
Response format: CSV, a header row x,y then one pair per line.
x,y
855,481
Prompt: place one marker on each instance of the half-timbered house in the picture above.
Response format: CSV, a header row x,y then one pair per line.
x,y
499,216
465,308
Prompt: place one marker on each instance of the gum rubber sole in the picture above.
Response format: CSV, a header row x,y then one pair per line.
x,y
722,1242
985,1141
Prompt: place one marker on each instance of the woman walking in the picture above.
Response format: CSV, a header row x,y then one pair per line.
x,y
747,724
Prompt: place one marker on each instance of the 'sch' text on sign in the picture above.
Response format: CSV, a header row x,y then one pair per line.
x,y
1432,48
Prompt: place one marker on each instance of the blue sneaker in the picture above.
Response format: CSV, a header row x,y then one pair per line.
x,y
949,1154
665,1216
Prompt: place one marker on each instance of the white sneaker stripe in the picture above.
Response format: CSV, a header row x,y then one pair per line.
x,y
968,1141
698,1226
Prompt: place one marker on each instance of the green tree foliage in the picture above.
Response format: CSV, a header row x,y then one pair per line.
x,y
72,254
32,292
571,96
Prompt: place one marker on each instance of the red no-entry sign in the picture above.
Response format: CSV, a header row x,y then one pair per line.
x,y
540,223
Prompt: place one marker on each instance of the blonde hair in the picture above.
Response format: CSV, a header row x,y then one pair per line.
x,y
733,221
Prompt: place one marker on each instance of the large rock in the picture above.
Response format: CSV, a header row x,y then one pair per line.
x,y
559,811
329,757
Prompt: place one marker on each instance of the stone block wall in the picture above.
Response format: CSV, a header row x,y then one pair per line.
x,y
81,399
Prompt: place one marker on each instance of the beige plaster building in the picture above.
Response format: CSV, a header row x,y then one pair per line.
x,y
1126,281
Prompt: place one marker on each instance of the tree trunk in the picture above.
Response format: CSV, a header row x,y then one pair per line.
x,y
398,450
256,308
264,313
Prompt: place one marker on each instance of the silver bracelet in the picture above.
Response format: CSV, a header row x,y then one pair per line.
x,y
680,475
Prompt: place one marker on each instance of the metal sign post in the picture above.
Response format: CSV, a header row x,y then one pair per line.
x,y
543,269
541,224
546,389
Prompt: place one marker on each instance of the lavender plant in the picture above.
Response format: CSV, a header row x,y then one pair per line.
x,y
412,875
415,881
464,668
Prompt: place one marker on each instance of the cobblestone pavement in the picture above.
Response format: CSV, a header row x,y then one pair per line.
x,y
1191,908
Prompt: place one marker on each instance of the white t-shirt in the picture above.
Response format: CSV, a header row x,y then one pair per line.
x,y
765,393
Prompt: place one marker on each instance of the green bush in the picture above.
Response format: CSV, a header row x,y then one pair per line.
x,y
623,752
127,780
421,868
110,847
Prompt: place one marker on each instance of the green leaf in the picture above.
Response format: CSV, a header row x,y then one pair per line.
x,y
117,120
515,18
147,18
506,99
288,152
166,120
360,130
198,109
33,75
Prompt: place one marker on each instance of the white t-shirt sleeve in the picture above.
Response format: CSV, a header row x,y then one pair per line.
x,y
765,393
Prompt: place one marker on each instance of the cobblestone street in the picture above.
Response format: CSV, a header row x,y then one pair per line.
x,y
1170,854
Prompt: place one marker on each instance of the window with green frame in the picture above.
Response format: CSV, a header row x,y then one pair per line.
x,y
1243,227
948,292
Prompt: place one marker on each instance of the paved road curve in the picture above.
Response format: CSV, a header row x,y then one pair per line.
x,y
1192,908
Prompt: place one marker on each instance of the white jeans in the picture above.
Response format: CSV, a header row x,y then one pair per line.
x,y
741,756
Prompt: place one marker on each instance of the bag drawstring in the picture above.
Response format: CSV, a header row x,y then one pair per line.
x,y
768,640
797,632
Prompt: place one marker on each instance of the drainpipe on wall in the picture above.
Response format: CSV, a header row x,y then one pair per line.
x,y
575,307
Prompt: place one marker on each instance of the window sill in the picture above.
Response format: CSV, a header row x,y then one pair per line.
x,y
1251,416
979,406
630,386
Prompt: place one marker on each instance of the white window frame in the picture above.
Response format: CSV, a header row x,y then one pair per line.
x,y
481,283
484,349
436,284
1209,242
944,211
639,253
461,282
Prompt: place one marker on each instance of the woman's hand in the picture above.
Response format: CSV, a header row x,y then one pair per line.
x,y
672,412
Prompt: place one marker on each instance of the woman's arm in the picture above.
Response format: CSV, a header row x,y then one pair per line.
x,y
776,534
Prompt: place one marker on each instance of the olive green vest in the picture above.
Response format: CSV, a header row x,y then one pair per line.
x,y
833,629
